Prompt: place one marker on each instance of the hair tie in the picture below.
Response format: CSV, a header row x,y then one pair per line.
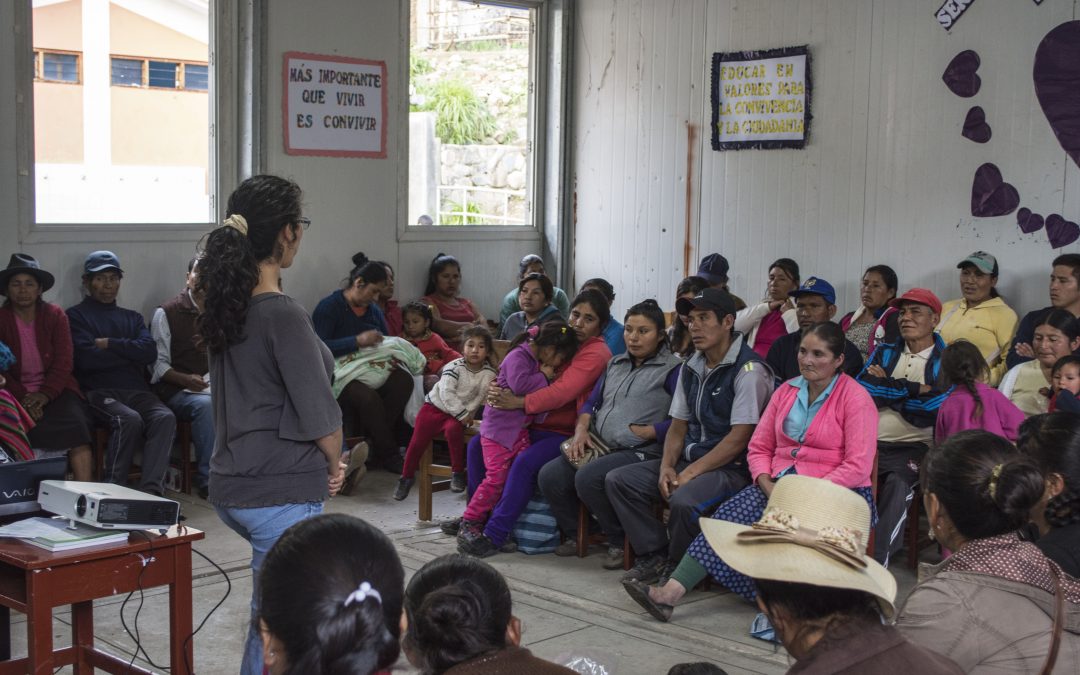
x,y
431,308
533,330
994,476
362,593
563,329
237,222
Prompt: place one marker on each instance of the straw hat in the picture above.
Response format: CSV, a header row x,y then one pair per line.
x,y
812,532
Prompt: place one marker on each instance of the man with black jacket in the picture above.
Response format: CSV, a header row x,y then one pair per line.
x,y
815,302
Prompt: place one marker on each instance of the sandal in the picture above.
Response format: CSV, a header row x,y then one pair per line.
x,y
640,593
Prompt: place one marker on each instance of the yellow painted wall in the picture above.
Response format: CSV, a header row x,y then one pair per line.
x,y
58,129
59,26
160,127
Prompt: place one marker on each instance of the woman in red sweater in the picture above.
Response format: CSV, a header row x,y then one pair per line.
x,y
589,313
42,380
821,424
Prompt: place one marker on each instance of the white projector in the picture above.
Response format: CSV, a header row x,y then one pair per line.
x,y
107,505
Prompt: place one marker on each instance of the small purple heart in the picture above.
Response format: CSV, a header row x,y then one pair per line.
x,y
960,76
991,195
975,126
1029,222
1061,232
1057,84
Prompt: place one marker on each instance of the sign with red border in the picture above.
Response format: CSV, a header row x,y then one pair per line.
x,y
333,106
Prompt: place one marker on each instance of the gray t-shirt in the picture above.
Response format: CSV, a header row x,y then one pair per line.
x,y
272,400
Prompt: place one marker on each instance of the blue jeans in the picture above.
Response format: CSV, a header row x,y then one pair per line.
x,y
261,527
197,409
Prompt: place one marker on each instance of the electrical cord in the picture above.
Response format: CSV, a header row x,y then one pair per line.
x,y
136,637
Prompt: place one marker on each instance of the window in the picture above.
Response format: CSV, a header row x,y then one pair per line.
x,y
196,77
471,113
127,72
162,74
56,66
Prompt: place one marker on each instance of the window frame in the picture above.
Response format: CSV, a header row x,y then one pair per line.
x,y
144,81
538,97
39,66
237,39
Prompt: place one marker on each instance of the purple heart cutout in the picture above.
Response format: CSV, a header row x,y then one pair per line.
x,y
1029,222
1057,84
1061,232
975,126
960,76
991,195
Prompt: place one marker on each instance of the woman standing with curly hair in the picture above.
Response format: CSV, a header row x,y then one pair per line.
x,y
278,446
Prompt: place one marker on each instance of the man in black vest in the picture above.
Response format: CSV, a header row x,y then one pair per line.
x,y
718,400
179,377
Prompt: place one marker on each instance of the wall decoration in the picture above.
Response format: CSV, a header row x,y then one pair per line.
x,y
949,13
761,99
975,126
333,106
1057,84
1029,222
1061,232
991,195
960,75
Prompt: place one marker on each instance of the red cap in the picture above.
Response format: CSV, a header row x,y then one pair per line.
x,y
922,296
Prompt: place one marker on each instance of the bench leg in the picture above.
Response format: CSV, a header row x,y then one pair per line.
x,y
582,531
425,491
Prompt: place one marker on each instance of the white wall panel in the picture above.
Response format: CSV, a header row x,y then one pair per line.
x,y
886,176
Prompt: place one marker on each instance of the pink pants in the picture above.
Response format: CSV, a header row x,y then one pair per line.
x,y
429,422
497,461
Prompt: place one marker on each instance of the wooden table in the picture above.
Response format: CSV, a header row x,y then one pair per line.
x,y
34,581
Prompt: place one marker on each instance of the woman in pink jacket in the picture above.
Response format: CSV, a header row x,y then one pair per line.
x,y
821,424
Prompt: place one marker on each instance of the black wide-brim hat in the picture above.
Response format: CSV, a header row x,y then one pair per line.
x,y
21,263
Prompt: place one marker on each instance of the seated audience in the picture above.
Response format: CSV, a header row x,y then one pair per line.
x,y
719,398
113,349
452,312
773,317
532,264
972,404
815,302
330,599
1028,385
179,376
820,424
1065,385
992,604
613,330
41,377
828,603
15,422
713,268
626,412
348,320
981,317
416,322
1064,294
678,333
874,321
534,296
902,377
459,619
390,309
449,408
1053,441
560,402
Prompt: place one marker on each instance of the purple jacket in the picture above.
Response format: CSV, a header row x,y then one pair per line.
x,y
957,413
520,373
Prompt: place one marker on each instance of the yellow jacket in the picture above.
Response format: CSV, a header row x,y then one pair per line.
x,y
990,326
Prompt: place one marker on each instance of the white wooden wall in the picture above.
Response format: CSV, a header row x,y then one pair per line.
x,y
886,177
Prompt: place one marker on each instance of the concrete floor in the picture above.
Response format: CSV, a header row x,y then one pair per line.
x,y
568,606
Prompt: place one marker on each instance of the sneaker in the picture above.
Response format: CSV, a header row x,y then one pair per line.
x,y
647,569
459,481
470,529
451,527
509,546
567,548
613,559
480,547
666,572
403,487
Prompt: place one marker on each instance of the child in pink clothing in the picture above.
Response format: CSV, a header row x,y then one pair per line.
x,y
534,357
416,321
972,404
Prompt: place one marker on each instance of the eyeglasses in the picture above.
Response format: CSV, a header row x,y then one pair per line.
x,y
304,222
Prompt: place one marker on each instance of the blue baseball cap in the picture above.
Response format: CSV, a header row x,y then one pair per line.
x,y
816,286
99,261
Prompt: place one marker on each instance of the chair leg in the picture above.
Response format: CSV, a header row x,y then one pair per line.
x,y
183,435
582,531
101,446
425,491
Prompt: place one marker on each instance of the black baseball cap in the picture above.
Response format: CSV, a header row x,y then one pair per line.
x,y
716,299
713,268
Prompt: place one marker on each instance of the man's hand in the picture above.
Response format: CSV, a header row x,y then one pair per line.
x,y
101,343
669,481
645,432
876,371
193,382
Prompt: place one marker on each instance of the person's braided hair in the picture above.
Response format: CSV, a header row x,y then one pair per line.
x,y
963,365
